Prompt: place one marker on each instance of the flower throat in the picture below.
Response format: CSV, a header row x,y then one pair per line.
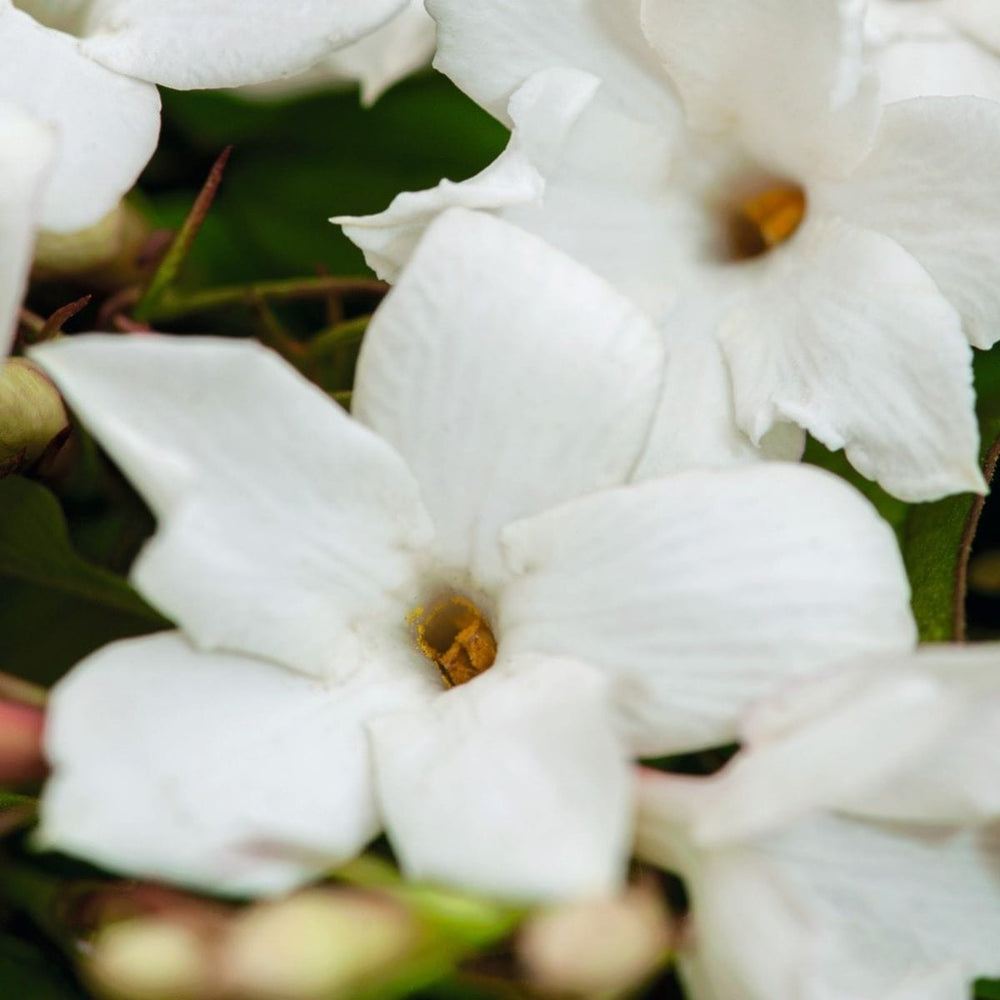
x,y
455,635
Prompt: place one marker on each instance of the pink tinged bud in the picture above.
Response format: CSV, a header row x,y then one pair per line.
x,y
21,759
314,945
598,947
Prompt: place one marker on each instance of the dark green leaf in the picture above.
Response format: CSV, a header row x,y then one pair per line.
x,y
55,607
987,989
35,549
937,537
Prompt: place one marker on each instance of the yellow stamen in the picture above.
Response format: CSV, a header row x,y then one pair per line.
x,y
767,219
455,635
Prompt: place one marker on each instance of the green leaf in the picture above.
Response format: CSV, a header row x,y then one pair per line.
x,y
937,537
298,162
35,548
55,607
987,989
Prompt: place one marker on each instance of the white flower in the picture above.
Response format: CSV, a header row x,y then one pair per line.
x,y
400,47
503,398
938,48
851,850
811,259
89,69
26,148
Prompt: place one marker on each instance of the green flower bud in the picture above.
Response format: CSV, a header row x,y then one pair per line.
x,y
32,414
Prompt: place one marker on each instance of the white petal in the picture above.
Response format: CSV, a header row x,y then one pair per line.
x,y
874,726
26,149
978,18
107,125
704,591
848,909
217,771
282,523
544,111
897,900
956,778
490,49
919,53
402,46
848,337
788,77
512,785
750,938
509,377
189,44
930,184
695,423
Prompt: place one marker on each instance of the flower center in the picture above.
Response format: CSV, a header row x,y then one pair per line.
x,y
456,636
766,219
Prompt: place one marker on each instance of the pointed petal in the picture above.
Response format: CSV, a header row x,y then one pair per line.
x,y
213,770
490,49
282,523
445,377
930,185
377,61
704,591
512,785
848,337
190,44
544,111
45,74
789,78
27,148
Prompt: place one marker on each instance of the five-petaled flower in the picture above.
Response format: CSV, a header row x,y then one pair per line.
x,y
814,259
456,617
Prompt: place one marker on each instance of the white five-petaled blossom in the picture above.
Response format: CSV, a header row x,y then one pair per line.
x,y
943,48
89,68
851,850
26,149
502,402
813,259
400,47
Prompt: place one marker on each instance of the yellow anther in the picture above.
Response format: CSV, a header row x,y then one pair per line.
x,y
767,219
456,636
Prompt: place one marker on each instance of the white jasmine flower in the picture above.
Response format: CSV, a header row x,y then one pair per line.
x,y
935,48
400,47
89,69
26,148
811,259
336,581
851,850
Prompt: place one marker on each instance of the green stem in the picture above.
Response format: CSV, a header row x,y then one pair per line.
x,y
173,304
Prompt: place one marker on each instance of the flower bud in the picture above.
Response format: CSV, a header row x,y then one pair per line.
x,y
105,255
21,759
150,958
600,947
32,414
315,944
